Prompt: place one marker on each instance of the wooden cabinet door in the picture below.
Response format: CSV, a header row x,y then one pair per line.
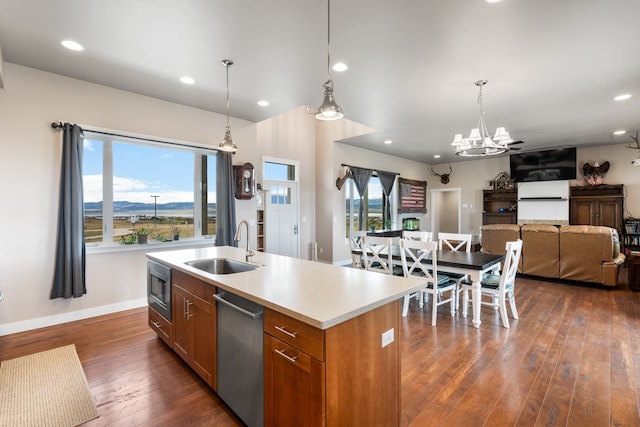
x,y
294,385
195,333
182,328
610,213
203,360
582,212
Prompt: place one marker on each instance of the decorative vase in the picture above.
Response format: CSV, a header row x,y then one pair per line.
x,y
176,237
142,238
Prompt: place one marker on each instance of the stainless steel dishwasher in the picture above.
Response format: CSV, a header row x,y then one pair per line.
x,y
240,356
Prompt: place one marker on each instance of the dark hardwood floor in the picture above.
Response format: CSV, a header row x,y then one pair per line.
x,y
573,359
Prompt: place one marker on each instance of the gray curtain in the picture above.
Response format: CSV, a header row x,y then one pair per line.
x,y
361,178
387,179
69,274
225,203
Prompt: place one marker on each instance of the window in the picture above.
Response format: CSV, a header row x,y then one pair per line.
x,y
373,203
132,184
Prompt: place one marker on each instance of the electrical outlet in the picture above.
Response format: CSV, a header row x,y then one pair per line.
x,y
387,337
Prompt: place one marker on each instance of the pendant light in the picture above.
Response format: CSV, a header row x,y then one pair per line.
x,y
329,110
227,142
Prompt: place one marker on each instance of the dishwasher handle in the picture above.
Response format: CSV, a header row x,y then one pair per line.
x,y
219,298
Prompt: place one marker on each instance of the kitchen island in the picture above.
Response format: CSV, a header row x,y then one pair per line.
x,y
331,354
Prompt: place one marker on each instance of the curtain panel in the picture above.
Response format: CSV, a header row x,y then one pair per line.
x,y
225,204
70,260
361,178
387,179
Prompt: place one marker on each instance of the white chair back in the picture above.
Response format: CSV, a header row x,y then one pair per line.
x,y
377,254
424,236
510,267
413,252
356,242
454,241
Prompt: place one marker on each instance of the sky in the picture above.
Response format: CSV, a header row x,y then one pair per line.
x,y
141,172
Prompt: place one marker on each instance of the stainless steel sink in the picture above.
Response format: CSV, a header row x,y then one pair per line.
x,y
221,265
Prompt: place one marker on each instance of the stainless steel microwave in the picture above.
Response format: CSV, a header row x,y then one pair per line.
x,y
159,288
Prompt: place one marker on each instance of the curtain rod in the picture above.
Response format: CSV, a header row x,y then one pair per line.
x,y
374,170
60,125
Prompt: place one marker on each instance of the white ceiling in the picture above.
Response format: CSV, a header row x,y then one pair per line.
x,y
553,66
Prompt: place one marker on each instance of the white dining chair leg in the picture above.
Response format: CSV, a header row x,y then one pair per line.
x,y
434,310
454,294
465,302
405,305
512,303
503,311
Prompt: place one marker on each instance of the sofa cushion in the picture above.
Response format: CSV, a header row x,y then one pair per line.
x,y
494,238
540,250
584,249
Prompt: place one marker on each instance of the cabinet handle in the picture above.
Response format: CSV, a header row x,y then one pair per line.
x,y
157,324
189,314
284,354
284,331
184,308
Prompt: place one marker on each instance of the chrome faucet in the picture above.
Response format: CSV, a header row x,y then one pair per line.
x,y
248,253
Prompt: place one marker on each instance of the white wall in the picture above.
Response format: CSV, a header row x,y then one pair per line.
x,y
29,173
474,175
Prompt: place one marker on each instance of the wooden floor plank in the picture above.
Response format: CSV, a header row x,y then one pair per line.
x,y
572,359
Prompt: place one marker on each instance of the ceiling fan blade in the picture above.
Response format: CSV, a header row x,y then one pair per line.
x,y
516,142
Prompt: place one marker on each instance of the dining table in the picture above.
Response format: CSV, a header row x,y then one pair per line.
x,y
472,264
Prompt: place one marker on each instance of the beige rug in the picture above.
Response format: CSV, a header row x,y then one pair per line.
x,y
45,389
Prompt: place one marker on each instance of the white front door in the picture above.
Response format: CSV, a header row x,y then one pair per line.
x,y
281,203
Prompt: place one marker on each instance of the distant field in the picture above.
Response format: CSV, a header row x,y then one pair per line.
x,y
159,229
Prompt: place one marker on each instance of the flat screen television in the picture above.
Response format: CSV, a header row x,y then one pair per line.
x,y
546,165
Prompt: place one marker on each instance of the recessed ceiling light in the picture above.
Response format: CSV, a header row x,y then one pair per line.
x,y
263,103
436,156
620,132
71,45
340,67
622,97
388,141
187,80
493,1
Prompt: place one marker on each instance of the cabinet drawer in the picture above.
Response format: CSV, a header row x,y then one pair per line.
x,y
161,326
297,334
194,286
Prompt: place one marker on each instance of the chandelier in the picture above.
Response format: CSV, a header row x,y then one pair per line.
x,y
329,110
480,142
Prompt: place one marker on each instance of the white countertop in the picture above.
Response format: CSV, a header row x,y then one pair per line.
x,y
321,295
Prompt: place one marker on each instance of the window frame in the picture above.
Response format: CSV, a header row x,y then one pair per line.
x,y
107,138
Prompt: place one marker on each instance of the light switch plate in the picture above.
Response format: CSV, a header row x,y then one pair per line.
x,y
387,337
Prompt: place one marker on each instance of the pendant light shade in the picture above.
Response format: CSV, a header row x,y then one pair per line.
x,y
329,110
227,142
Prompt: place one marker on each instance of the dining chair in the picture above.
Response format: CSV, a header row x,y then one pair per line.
x,y
424,236
413,254
377,254
499,286
455,242
355,241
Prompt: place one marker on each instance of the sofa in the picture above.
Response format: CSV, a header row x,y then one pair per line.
x,y
581,253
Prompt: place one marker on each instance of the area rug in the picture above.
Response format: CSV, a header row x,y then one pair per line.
x,y
45,389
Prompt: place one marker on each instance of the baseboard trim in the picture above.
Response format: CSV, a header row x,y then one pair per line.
x,y
56,319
